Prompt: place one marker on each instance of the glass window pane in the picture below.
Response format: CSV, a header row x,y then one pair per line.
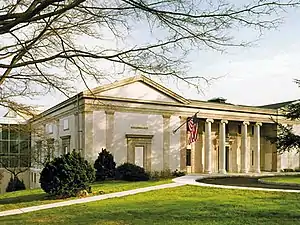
x,y
14,161
14,147
5,132
24,161
4,146
14,130
24,146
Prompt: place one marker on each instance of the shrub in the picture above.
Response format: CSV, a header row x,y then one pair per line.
x,y
178,173
288,170
67,175
15,184
131,172
105,165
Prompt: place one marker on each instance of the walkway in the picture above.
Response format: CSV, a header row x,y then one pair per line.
x,y
191,180
88,199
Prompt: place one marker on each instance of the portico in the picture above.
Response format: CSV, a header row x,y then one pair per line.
x,y
226,145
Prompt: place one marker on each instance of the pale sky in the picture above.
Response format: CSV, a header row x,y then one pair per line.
x,y
262,74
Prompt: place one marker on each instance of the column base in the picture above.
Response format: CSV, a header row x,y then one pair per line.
x,y
257,171
207,172
244,171
222,171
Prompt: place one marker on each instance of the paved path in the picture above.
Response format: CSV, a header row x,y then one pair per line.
x,y
88,199
191,180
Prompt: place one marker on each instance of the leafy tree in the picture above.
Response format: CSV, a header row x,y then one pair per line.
x,y
50,44
105,165
286,139
67,175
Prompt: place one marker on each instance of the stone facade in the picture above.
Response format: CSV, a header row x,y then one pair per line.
x,y
137,119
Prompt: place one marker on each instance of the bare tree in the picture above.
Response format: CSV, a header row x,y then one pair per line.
x,y
50,44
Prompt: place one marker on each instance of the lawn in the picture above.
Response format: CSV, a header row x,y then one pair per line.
x,y
19,199
182,205
283,179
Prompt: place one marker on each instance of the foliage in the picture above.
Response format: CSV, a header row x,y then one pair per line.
x,y
105,165
15,184
287,170
178,173
156,175
67,175
131,172
51,44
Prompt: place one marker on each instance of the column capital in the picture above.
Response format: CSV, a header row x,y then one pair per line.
x,y
258,124
109,112
209,121
246,123
224,121
167,116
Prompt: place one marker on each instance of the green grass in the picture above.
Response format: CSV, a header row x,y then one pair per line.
x,y
182,205
19,199
283,179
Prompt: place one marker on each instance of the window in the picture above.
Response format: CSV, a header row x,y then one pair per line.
x,y
50,149
252,130
65,144
252,158
188,157
49,128
66,124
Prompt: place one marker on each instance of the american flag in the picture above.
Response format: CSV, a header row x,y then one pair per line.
x,y
192,129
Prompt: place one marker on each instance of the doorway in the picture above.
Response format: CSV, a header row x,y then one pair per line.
x,y
139,156
227,158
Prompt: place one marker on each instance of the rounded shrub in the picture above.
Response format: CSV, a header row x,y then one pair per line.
x,y
131,172
15,184
105,165
67,175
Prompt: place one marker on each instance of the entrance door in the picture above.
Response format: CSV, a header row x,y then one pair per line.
x,y
227,158
139,156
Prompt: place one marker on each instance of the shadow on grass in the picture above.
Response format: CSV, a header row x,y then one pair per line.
x,y
246,182
25,198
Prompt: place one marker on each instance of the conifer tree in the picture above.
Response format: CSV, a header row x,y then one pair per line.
x,y
287,139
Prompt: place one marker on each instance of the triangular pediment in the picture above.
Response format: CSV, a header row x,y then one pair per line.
x,y
139,88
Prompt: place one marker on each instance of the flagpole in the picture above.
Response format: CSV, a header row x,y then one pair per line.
x,y
175,130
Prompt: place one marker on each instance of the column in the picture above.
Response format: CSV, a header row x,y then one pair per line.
x,y
244,147
166,141
257,147
88,136
110,120
208,146
222,149
183,138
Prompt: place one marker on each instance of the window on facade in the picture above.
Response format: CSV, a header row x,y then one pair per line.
x,y
13,146
50,149
66,144
66,124
49,128
188,157
252,158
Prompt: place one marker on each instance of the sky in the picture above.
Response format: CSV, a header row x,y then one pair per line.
x,y
258,75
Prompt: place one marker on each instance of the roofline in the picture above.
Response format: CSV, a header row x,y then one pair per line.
x,y
143,79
